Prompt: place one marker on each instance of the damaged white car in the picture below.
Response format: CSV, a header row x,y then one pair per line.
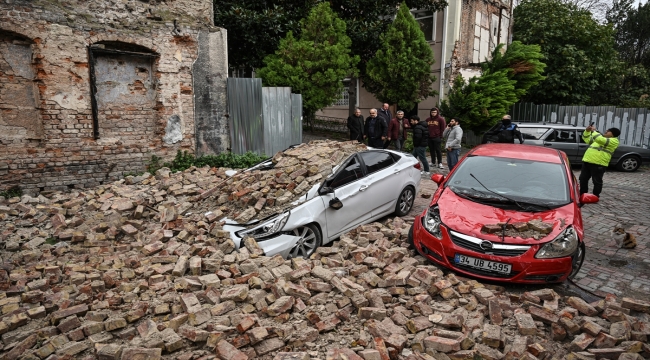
x,y
364,187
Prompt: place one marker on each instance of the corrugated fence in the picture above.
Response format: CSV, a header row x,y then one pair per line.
x,y
263,120
634,123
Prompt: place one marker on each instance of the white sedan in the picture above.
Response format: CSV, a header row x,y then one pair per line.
x,y
364,187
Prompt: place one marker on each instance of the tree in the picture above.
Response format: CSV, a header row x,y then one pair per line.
x,y
578,51
632,31
482,101
255,27
400,72
315,64
522,62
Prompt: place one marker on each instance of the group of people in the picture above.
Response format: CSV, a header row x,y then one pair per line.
x,y
380,129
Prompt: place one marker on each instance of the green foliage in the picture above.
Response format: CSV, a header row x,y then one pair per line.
x,y
256,27
480,102
14,191
315,64
185,160
408,145
632,31
522,62
578,51
400,72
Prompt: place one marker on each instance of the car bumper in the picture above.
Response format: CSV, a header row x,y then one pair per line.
x,y
526,268
276,244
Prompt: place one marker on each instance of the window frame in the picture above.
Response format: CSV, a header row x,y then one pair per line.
x,y
419,15
355,156
366,168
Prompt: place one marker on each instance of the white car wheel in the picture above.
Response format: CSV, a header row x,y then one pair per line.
x,y
310,239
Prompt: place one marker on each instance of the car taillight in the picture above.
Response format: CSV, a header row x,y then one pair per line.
x,y
417,166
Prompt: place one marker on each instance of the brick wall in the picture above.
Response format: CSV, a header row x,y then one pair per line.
x,y
145,104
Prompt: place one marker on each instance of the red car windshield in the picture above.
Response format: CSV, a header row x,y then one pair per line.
x,y
502,180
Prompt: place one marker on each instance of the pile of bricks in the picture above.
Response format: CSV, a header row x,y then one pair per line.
x,y
133,270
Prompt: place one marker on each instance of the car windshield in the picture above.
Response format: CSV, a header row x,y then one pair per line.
x,y
506,182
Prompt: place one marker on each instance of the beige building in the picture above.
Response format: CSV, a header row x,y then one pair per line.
x,y
461,37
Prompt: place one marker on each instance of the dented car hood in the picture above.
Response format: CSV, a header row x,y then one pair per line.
x,y
468,217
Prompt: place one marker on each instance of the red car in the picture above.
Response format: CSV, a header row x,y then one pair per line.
x,y
476,223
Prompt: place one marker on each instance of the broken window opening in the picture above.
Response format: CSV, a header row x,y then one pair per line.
x,y
123,88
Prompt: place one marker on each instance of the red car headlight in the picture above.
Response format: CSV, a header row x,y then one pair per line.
x,y
431,221
564,245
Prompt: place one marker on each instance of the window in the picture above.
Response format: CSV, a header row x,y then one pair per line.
x,y
532,133
123,90
487,34
344,95
20,118
350,173
376,160
562,136
427,22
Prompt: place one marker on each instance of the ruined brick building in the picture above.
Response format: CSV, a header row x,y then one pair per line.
x,y
91,89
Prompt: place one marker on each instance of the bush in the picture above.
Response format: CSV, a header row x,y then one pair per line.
x,y
14,191
185,160
408,145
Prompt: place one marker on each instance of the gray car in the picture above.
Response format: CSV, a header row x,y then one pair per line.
x,y
568,138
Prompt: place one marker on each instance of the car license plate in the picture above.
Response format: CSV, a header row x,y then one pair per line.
x,y
482,264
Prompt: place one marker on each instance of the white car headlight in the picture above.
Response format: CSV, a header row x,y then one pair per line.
x,y
432,221
268,228
564,245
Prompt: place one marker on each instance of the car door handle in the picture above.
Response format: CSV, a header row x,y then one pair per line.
x,y
363,188
547,144
396,171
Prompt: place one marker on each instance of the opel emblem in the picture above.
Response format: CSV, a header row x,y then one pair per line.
x,y
485,245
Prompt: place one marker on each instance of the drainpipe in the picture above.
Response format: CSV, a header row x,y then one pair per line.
x,y
443,57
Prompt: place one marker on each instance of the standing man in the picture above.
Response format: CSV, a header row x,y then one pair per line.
x,y
420,140
376,130
436,124
505,133
385,113
355,124
454,135
397,131
597,157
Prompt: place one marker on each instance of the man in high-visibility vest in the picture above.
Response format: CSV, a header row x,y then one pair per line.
x,y
597,157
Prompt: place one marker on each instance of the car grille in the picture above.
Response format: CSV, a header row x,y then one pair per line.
x,y
497,250
481,272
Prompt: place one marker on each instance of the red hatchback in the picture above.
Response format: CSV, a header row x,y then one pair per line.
x,y
507,213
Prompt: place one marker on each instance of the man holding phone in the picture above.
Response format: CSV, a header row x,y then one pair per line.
x,y
597,157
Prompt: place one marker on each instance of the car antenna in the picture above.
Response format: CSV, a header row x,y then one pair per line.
x,y
503,230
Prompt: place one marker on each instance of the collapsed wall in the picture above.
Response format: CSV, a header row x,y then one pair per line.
x,y
90,90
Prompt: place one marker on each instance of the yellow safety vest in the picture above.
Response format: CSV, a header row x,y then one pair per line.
x,y
600,149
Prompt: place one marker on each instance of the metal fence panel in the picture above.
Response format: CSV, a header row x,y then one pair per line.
x,y
245,110
633,123
296,119
276,104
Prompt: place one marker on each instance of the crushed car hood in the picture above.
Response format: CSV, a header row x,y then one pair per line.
x,y
468,217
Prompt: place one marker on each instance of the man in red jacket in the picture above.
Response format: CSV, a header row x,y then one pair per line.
x,y
437,126
397,131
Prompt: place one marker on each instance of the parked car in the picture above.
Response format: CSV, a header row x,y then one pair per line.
x,y
362,188
500,184
568,138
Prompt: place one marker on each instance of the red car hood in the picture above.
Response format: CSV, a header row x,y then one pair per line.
x,y
467,217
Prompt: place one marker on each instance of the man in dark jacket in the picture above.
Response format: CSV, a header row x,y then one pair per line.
x,y
355,124
420,141
376,130
385,113
397,131
436,125
505,133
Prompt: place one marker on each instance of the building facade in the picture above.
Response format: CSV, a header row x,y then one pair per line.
x,y
461,37
91,89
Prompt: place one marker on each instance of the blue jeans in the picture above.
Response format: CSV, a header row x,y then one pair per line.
x,y
452,158
420,153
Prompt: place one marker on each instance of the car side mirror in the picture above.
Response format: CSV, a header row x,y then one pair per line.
x,y
336,204
326,190
438,178
588,199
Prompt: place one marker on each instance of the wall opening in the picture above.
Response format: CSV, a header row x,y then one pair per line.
x,y
123,90
20,118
